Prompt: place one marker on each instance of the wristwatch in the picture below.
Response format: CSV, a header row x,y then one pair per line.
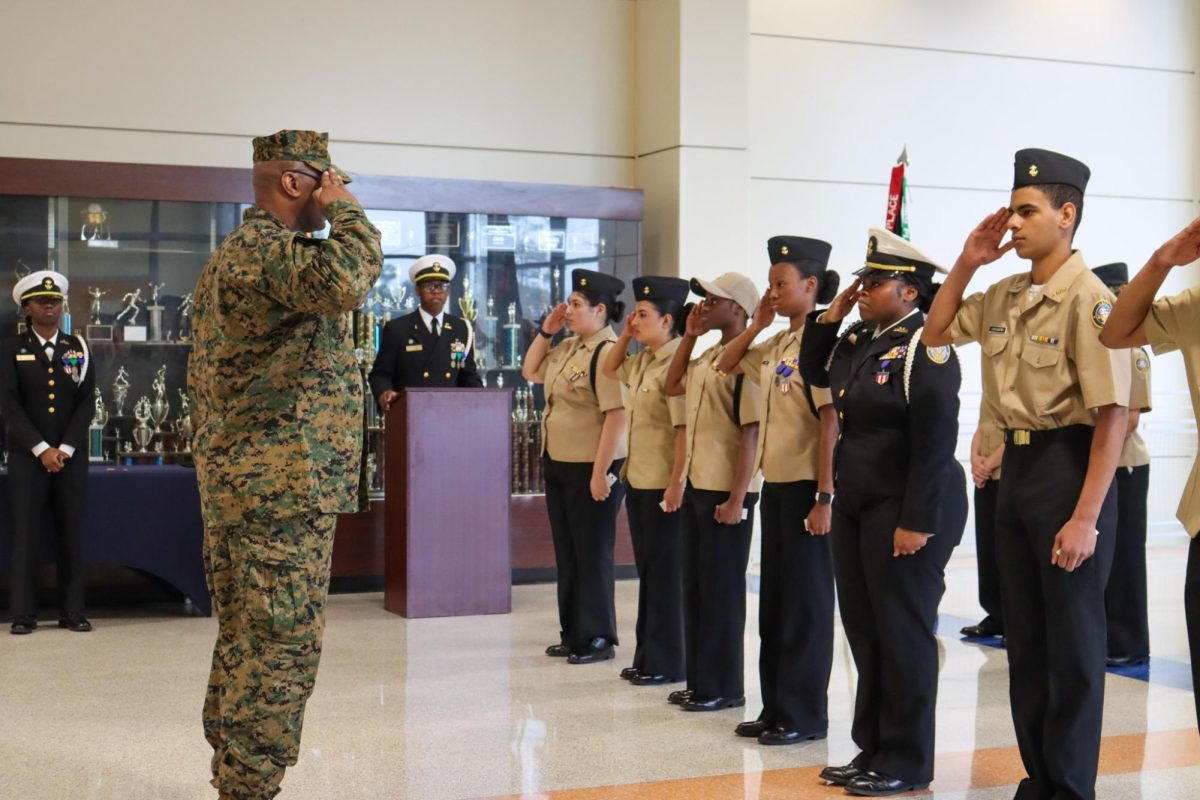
x,y
542,332
824,498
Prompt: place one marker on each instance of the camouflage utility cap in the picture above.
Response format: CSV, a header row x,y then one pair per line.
x,y
309,147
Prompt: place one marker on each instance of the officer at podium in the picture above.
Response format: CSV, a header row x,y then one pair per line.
x,y
46,385
427,348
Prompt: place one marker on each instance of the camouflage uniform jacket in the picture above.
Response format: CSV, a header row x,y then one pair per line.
x,y
278,394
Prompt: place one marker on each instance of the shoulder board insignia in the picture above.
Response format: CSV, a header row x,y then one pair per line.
x,y
1100,313
900,329
938,355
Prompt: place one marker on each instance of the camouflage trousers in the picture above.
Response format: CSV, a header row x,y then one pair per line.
x,y
269,582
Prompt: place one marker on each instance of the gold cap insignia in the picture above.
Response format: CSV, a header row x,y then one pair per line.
x,y
583,281
784,250
871,246
1033,170
646,290
47,283
437,266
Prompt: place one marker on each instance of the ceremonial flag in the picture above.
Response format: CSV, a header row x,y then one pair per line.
x,y
897,207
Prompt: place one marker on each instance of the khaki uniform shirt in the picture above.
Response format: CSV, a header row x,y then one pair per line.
x,y
714,426
1171,325
652,417
1134,452
1042,358
574,414
789,433
278,393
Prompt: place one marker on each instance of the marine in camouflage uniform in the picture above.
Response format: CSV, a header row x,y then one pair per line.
x,y
277,445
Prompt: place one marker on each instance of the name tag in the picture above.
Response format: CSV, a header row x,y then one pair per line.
x,y
413,348
997,329
26,357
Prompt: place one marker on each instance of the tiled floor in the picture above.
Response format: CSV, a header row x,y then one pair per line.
x,y
470,708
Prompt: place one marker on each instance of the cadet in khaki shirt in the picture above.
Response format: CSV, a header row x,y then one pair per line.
x,y
1125,596
1062,400
583,445
1166,324
987,448
721,438
797,429
654,472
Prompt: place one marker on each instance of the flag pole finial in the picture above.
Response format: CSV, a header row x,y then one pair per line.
x,y
903,159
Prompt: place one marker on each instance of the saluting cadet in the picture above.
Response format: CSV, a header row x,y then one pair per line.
x,y
1062,402
584,446
1167,324
900,509
1125,596
654,474
987,449
722,489
428,347
795,452
46,384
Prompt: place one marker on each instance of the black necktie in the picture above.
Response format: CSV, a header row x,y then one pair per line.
x,y
433,326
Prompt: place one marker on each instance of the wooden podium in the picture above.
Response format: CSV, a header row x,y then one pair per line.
x,y
447,468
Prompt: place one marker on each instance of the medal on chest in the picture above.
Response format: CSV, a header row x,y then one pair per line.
x,y
882,375
783,373
72,364
574,373
458,353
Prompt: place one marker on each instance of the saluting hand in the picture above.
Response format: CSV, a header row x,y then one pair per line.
x,y
764,312
554,321
907,543
1182,248
697,325
630,329
983,244
330,189
843,304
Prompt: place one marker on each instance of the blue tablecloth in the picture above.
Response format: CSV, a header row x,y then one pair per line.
x,y
147,518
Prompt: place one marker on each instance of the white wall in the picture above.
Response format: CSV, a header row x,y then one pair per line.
x,y
836,90
525,90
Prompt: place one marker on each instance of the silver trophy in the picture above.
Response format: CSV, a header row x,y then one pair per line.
x,y
183,426
120,391
155,310
185,318
94,315
161,407
142,434
130,310
96,430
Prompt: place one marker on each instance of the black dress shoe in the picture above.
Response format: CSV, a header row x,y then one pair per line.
x,y
558,651
872,784
986,629
599,649
629,672
751,730
646,679
75,622
23,625
712,703
1127,661
779,735
840,776
678,696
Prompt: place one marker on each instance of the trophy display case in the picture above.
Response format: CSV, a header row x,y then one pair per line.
x,y
133,238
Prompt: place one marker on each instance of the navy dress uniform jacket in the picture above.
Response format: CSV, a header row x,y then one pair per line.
x,y
410,357
39,400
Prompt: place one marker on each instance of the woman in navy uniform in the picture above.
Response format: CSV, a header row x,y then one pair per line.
x,y
795,451
427,347
900,509
46,385
583,445
653,473
721,439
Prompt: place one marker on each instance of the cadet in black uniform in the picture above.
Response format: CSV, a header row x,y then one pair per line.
x,y
427,347
900,509
46,385
583,445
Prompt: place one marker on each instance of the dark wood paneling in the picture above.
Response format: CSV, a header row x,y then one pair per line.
x,y
358,544
48,177
532,546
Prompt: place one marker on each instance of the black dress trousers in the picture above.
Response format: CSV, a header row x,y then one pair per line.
x,y
1125,597
889,605
1056,631
715,557
584,534
31,487
795,613
1191,610
985,551
658,553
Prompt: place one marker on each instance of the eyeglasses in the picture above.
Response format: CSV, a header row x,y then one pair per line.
x,y
434,286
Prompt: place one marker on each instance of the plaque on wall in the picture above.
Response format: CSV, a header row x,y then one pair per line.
x,y
98,333
442,235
